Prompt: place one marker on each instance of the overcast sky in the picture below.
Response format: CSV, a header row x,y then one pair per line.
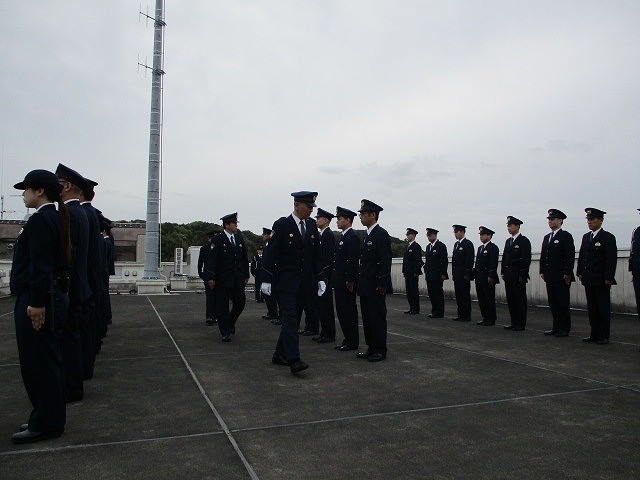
x,y
441,112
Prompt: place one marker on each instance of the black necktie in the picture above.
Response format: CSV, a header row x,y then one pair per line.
x,y
303,229
550,237
593,235
233,241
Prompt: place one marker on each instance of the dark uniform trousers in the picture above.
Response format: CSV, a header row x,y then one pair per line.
x,y
559,297
227,319
68,330
41,364
347,311
311,315
599,309
517,302
636,289
327,314
463,297
413,294
272,304
291,308
436,296
374,321
486,300
210,301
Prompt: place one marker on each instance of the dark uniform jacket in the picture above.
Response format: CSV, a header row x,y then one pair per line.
x,y
227,264
487,263
292,263
558,258
375,263
634,258
412,260
79,231
345,259
202,258
256,268
38,256
516,259
95,259
597,259
462,260
436,262
327,246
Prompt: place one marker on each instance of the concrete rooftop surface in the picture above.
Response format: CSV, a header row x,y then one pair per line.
x,y
453,400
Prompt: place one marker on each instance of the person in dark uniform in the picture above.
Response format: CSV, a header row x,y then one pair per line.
x,y
344,276
374,282
516,259
596,270
256,271
95,327
41,258
634,265
557,258
73,329
210,294
109,268
461,272
325,302
227,272
485,273
436,261
293,262
270,300
411,270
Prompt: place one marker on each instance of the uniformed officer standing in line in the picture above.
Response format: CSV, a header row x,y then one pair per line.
x,y
256,271
109,268
227,272
516,259
634,265
270,300
96,326
39,282
293,262
436,261
210,294
412,269
374,282
596,270
461,272
485,273
557,258
74,328
343,278
325,302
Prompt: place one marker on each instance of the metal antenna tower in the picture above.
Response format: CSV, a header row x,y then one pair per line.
x,y
152,235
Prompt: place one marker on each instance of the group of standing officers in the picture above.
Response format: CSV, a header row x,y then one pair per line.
x,y
62,260
597,260
302,267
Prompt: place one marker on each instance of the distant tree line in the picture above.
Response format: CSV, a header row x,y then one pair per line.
x,y
174,235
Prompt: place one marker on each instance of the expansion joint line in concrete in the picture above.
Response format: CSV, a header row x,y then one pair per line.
x,y
221,421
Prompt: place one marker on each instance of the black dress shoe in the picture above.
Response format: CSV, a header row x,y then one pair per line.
x,y
562,334
588,340
29,436
409,312
340,345
308,333
276,321
481,322
326,339
508,327
550,332
278,360
434,315
376,357
209,321
603,341
414,312
23,427
298,366
488,323
73,398
346,348
363,355
317,337
517,329
462,319
233,330
267,317
226,338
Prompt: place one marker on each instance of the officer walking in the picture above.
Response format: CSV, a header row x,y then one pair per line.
x,y
557,258
272,299
374,282
411,270
344,276
596,270
516,259
485,273
325,302
256,271
39,283
436,261
293,263
227,272
210,294
461,272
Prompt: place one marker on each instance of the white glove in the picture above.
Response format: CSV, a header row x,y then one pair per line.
x,y
321,288
266,288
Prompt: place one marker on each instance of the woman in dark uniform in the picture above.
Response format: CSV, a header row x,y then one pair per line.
x,y
39,283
